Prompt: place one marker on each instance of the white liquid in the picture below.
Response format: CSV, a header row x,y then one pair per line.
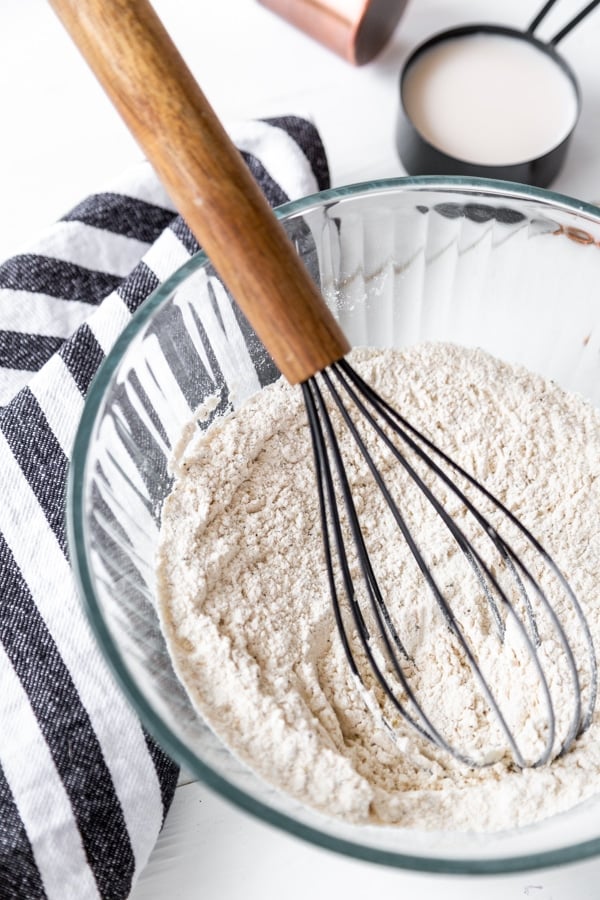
x,y
490,99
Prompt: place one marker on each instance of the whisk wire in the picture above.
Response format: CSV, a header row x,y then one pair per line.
x,y
426,572
474,559
325,442
374,593
400,425
327,497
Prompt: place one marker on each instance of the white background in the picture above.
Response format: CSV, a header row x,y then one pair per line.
x,y
61,139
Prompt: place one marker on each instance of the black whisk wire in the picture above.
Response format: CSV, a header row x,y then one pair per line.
x,y
375,594
329,460
393,417
330,518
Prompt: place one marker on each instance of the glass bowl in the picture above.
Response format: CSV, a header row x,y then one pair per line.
x,y
511,269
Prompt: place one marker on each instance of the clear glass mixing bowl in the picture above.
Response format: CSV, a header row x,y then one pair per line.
x,y
514,270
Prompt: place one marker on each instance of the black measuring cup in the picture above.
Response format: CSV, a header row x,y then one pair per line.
x,y
424,153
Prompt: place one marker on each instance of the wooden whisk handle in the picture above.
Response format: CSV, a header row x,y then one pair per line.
x,y
142,72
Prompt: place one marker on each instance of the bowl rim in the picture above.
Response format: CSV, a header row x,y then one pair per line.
x,y
78,547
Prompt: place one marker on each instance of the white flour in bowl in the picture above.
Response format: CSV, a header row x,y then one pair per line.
x,y
245,603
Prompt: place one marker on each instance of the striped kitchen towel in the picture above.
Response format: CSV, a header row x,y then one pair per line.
x,y
83,788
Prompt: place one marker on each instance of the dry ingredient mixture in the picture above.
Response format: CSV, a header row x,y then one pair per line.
x,y
245,603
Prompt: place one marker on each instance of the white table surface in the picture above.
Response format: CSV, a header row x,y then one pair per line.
x,y
61,140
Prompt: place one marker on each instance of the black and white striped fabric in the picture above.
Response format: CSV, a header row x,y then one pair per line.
x,y
83,789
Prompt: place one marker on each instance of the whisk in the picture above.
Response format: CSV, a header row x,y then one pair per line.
x,y
515,588
502,581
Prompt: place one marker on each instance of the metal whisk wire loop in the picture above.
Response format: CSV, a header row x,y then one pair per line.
x,y
339,393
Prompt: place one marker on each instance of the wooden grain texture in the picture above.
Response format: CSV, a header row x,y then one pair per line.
x,y
141,70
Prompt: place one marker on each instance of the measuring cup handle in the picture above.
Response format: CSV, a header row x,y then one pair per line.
x,y
566,28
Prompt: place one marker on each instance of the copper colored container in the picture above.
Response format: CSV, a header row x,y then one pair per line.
x,y
354,29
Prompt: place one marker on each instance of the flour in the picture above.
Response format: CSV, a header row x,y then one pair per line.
x,y
245,603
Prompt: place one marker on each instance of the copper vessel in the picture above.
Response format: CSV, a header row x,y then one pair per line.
x,y
354,29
